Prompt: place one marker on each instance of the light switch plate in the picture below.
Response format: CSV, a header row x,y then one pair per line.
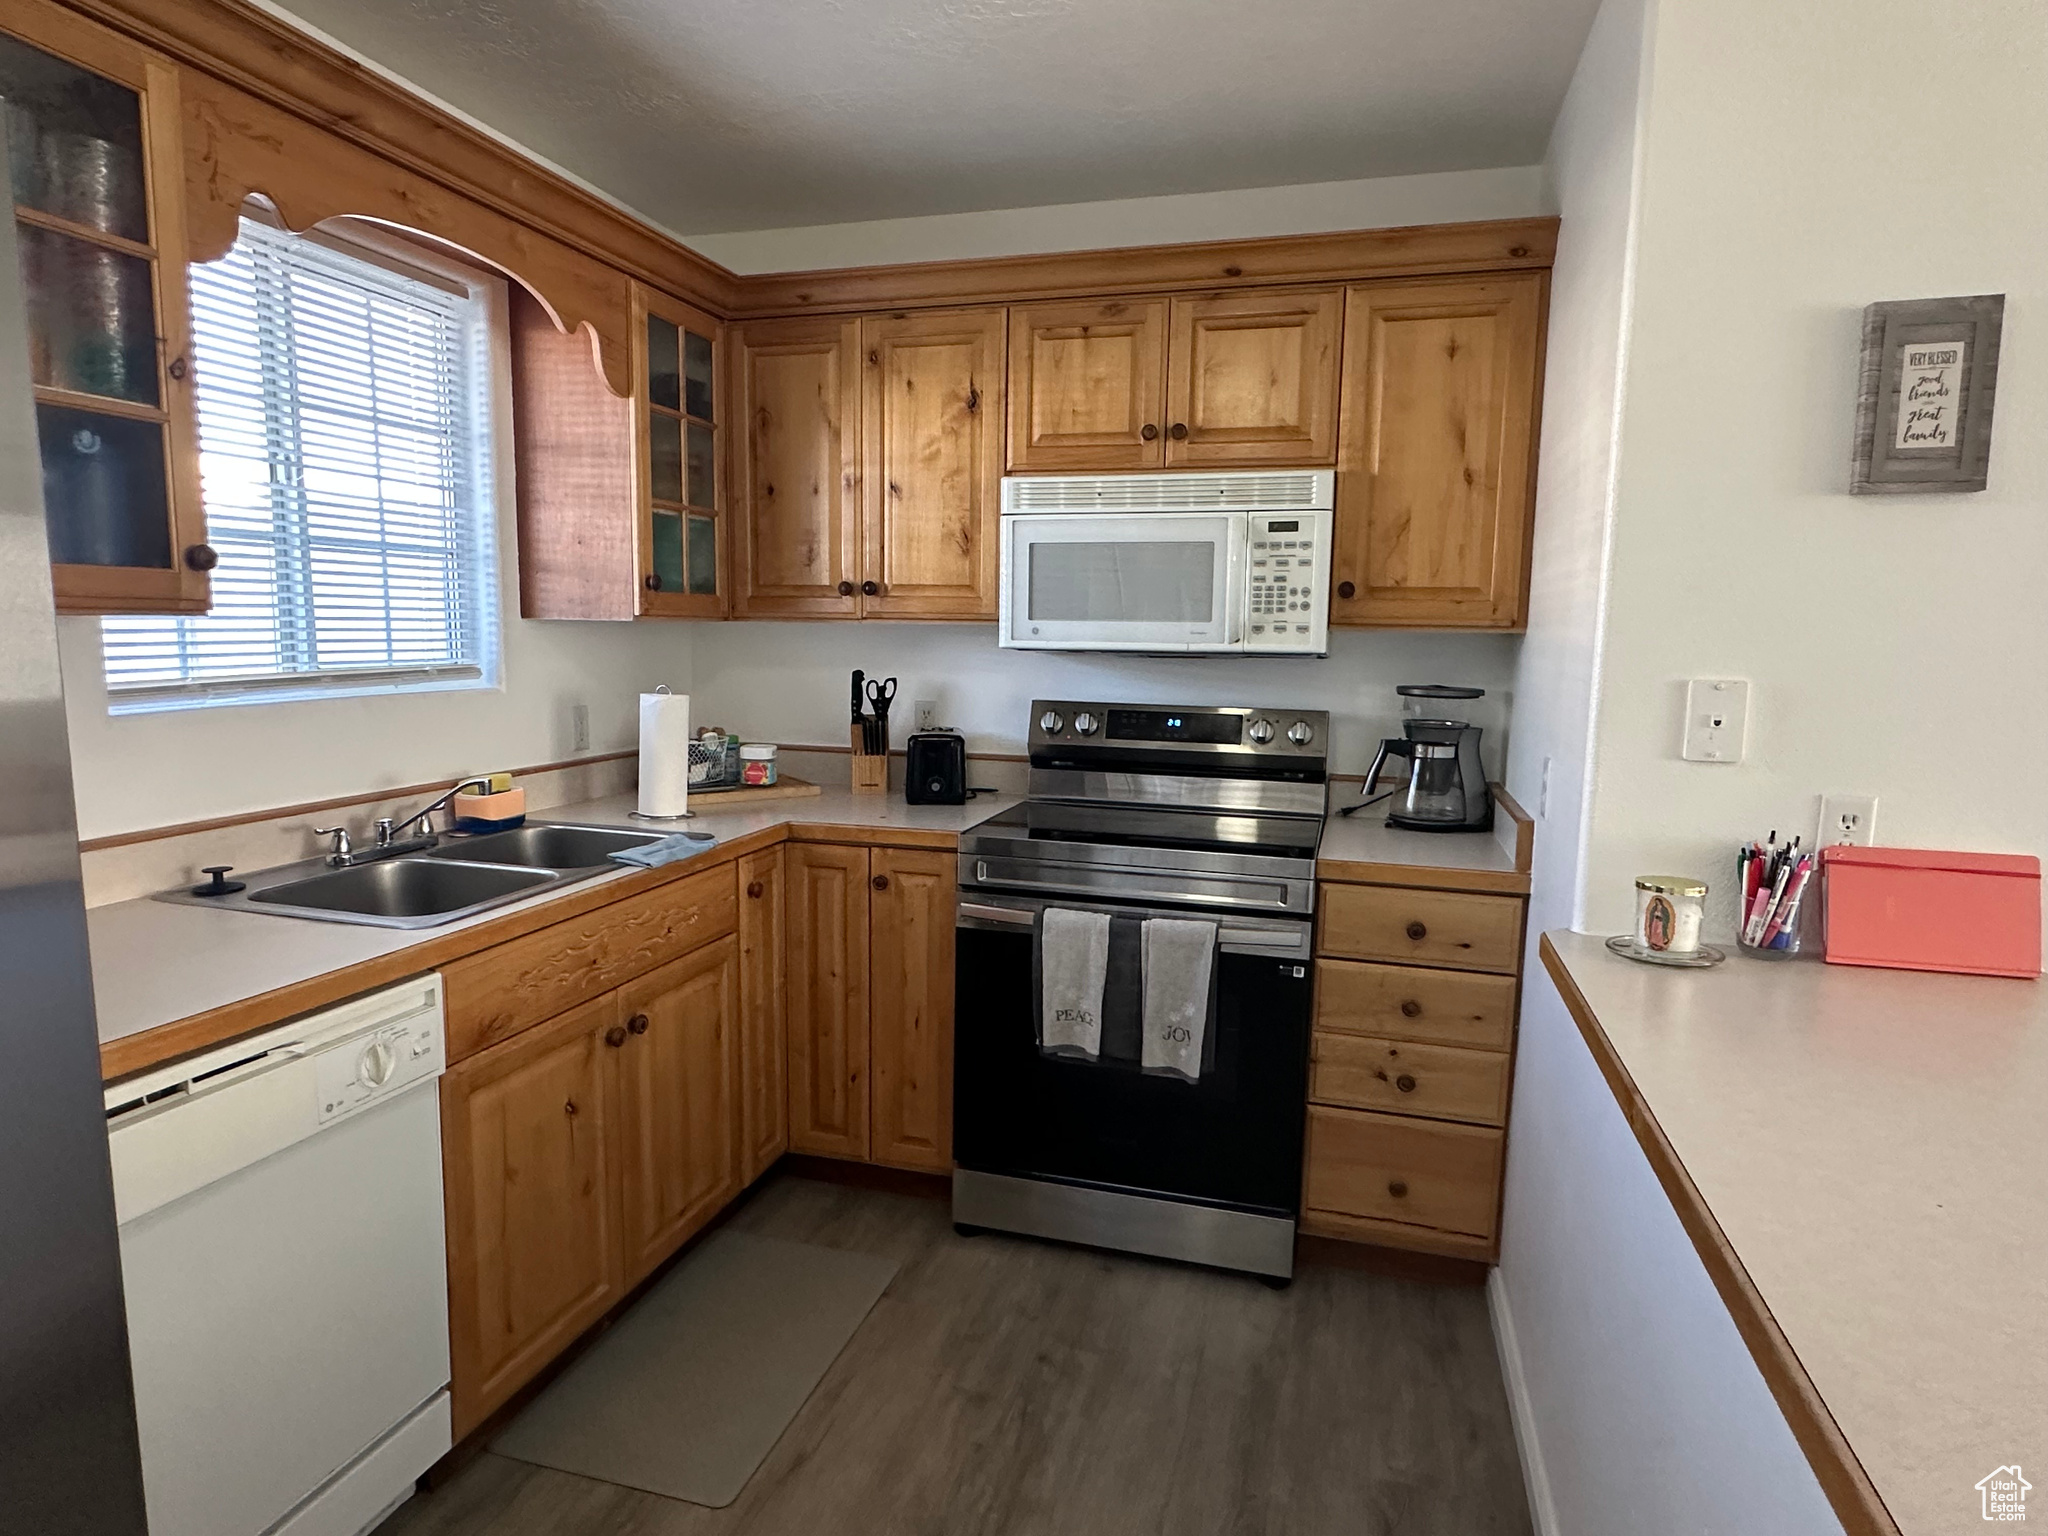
x,y
1716,720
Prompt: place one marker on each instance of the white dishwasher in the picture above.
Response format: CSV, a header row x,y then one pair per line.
x,y
283,1254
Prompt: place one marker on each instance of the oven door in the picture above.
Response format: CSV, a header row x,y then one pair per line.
x,y
1139,581
1232,1138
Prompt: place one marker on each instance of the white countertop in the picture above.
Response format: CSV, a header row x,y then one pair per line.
x,y
155,963
1874,1146
1367,839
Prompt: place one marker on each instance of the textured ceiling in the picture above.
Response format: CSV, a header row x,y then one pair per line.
x,y
711,116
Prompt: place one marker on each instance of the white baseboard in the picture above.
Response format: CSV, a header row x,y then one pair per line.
x,y
1542,1511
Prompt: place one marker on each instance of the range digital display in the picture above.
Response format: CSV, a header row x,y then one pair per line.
x,y
1176,725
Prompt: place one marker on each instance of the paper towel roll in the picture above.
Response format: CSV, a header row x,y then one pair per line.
x,y
664,754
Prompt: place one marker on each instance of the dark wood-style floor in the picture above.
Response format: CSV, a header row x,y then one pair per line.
x,y
1004,1387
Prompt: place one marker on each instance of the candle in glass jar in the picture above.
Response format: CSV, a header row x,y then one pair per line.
x,y
1668,913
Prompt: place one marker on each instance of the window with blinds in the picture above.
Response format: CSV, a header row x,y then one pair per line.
x,y
345,452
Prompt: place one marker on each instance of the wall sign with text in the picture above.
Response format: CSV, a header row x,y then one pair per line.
x,y
1923,400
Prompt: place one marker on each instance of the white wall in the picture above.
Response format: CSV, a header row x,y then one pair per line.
x,y
1800,168
1384,202
1734,189
788,682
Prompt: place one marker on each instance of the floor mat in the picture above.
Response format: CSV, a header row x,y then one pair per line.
x,y
689,1392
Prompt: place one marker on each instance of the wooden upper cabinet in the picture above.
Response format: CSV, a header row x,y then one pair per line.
x,y
931,413
1253,379
826,930
98,176
679,1081
533,1244
1088,385
764,1103
680,400
910,1071
621,502
1436,468
797,496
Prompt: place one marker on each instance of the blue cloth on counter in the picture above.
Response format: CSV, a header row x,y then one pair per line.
x,y
677,845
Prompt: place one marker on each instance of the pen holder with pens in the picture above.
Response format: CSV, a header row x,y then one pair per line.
x,y
1778,886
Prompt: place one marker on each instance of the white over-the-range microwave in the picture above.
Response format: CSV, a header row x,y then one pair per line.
x,y
1229,563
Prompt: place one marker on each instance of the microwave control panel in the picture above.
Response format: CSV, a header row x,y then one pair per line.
x,y
1287,587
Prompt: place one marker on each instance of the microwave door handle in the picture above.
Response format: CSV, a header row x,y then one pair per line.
x,y
1237,597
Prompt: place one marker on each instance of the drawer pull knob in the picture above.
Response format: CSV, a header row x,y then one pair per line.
x,y
1418,932
615,1037
1398,1188
1411,1009
637,1024
881,882
1405,1083
569,1107
1347,590
754,889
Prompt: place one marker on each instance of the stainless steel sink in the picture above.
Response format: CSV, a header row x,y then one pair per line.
x,y
543,846
404,892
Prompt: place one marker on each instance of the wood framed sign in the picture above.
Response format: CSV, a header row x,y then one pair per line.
x,y
1923,400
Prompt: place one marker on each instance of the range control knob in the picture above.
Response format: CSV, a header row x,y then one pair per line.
x,y
1301,733
1051,721
1261,731
1086,723
376,1065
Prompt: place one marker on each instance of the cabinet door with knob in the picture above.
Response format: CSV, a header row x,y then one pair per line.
x,y
797,496
682,437
826,929
911,908
764,1104
1436,468
98,177
931,415
676,1041
527,1146
1088,385
1253,379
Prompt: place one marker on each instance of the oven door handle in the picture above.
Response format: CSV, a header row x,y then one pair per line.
x,y
989,914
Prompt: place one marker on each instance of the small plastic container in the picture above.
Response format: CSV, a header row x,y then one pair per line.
x,y
758,764
497,812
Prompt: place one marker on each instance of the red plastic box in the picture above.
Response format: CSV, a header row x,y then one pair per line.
x,y
1914,909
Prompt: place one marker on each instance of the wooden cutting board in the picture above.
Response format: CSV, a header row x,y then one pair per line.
x,y
788,787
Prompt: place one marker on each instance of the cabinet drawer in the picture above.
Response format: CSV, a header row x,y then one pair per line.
x,y
1387,1168
500,991
1410,1003
1450,928
1445,1082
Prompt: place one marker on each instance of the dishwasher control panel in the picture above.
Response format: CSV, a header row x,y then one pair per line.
x,y
376,1064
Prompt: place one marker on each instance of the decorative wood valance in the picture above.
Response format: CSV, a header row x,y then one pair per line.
x,y
236,145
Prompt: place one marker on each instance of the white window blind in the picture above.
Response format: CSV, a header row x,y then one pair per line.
x,y
344,425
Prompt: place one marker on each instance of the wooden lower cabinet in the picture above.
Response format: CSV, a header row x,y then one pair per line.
x,y
1373,1175
826,929
764,1015
529,1153
679,1085
910,1003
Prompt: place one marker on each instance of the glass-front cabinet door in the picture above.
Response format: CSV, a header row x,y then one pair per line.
x,y
682,470
94,161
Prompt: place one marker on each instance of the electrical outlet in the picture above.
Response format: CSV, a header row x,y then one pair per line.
x,y
927,714
579,727
1716,720
1848,819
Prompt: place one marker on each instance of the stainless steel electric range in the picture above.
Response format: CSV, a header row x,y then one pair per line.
x,y
1141,813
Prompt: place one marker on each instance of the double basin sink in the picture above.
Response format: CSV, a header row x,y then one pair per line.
x,y
460,877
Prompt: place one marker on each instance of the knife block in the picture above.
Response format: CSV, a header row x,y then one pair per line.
x,y
870,771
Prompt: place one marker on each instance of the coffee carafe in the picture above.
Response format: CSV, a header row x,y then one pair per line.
x,y
1446,788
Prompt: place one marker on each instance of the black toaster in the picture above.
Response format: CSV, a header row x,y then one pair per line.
x,y
935,768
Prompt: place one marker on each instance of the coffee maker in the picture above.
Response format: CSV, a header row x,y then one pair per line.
x,y
1446,788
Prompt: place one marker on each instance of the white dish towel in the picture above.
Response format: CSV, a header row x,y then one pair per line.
x,y
1073,967
1179,954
